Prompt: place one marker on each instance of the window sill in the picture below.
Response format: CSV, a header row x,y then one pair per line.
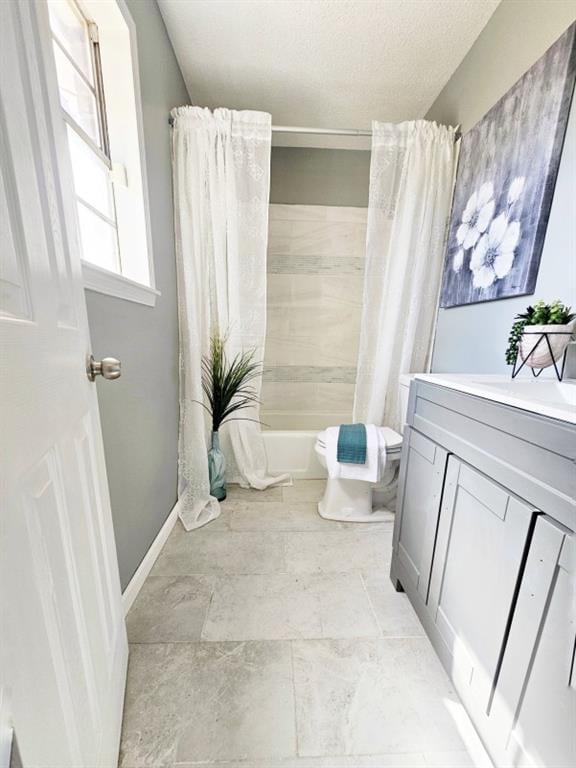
x,y
112,284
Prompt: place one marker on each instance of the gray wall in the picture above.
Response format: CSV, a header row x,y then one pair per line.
x,y
473,338
305,176
140,411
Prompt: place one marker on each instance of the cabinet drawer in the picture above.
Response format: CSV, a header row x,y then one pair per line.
x,y
482,536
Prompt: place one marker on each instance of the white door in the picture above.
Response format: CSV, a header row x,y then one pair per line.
x,y
63,641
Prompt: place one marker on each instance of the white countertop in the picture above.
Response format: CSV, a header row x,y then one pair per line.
x,y
548,397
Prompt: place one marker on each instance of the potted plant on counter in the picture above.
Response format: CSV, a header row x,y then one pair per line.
x,y
226,385
540,337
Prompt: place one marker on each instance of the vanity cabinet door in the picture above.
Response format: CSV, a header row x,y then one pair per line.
x,y
423,468
534,705
481,541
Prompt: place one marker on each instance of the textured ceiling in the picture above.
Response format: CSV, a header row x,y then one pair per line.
x,y
324,63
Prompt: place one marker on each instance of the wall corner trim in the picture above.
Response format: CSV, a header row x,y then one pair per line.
x,y
136,582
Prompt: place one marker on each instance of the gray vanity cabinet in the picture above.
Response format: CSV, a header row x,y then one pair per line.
x,y
481,540
423,467
534,708
484,546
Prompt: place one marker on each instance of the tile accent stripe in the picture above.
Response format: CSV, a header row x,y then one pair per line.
x,y
323,213
312,265
310,374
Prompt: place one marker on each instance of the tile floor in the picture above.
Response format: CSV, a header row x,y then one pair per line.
x,y
272,638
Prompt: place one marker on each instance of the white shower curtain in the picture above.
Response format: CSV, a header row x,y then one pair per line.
x,y
221,168
411,179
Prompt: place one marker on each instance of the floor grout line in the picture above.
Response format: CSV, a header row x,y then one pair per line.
x,y
371,604
294,698
212,591
234,574
299,639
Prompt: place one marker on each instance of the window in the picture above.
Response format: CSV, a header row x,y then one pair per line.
x,y
94,53
77,56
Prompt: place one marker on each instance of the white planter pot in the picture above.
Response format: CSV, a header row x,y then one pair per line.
x,y
559,338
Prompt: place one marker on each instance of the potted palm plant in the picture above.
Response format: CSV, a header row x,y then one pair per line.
x,y
540,336
226,384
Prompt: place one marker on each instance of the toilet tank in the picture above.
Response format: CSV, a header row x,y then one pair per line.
x,y
404,384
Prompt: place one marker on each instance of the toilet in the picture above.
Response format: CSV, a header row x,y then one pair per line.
x,y
352,500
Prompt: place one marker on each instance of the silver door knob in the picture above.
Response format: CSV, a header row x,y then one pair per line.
x,y
108,368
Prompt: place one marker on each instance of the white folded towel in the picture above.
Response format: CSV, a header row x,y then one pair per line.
x,y
372,470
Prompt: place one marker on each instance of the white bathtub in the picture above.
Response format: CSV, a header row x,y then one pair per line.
x,y
293,451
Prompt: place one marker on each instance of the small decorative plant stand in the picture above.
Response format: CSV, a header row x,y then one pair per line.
x,y
539,349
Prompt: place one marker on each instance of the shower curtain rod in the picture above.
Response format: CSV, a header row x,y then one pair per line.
x,y
338,131
323,131
327,131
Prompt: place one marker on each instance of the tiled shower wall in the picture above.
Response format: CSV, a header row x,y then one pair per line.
x,y
315,278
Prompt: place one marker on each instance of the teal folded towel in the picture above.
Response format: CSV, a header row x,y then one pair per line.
x,y
351,444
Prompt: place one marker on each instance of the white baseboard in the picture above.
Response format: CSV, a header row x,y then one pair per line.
x,y
136,582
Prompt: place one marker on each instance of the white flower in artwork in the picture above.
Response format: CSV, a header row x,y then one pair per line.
x,y
458,260
493,256
515,189
477,215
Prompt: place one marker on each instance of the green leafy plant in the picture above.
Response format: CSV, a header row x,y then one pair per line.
x,y
513,340
226,384
541,313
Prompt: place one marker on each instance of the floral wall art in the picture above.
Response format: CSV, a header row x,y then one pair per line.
x,y
505,183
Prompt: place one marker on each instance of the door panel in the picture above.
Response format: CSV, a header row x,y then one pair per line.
x,y
534,710
425,463
14,288
93,526
481,541
63,647
43,511
54,573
